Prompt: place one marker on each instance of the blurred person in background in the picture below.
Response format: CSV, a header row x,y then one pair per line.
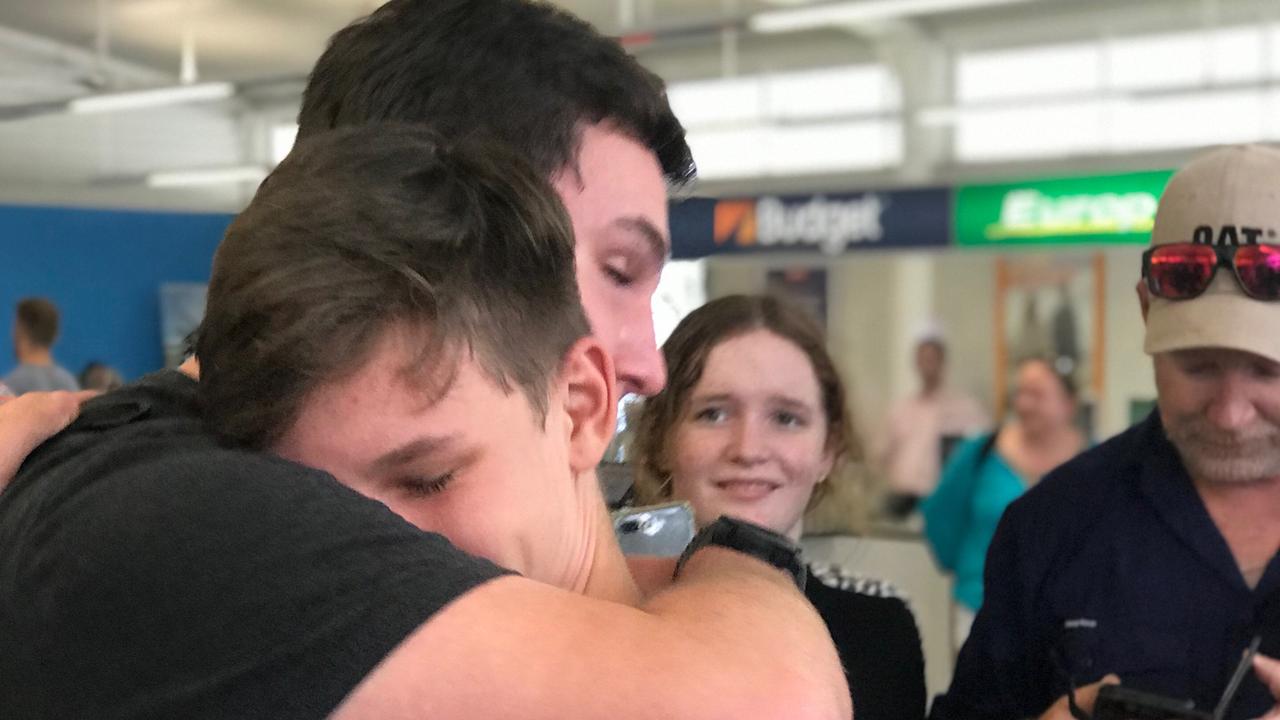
x,y
1153,557
987,473
754,423
35,330
100,376
923,427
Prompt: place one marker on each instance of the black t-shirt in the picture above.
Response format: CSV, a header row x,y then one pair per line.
x,y
875,634
147,572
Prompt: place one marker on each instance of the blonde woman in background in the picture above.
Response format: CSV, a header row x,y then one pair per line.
x,y
754,423
988,472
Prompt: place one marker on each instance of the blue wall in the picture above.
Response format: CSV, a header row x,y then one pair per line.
x,y
104,270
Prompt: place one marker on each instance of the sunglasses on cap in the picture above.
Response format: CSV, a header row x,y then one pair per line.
x,y
1182,271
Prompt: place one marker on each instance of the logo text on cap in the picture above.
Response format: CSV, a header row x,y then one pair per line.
x,y
1229,235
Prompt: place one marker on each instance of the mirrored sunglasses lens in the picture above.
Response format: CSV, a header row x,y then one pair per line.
x,y
1258,267
1179,272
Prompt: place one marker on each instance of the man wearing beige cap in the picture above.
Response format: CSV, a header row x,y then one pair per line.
x,y
1151,559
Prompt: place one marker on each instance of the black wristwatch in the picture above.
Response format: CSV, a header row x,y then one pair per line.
x,y
750,539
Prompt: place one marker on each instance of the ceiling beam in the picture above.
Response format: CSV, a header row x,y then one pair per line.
x,y
63,59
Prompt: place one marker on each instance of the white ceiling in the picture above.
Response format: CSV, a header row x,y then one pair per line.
x,y
247,40
51,50
251,39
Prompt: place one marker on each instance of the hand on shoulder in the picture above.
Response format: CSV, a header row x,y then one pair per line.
x,y
30,419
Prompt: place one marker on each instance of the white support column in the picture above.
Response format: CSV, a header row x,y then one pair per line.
x,y
923,67
911,311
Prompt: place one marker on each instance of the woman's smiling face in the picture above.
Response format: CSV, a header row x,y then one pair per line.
x,y
752,439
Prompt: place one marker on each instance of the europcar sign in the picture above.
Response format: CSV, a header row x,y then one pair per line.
x,y
1106,209
826,224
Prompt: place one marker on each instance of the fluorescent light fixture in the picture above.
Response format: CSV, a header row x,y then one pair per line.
x,y
852,13
796,150
207,176
947,115
1023,73
723,101
154,97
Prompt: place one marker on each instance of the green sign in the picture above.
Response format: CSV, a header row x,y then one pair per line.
x,y
1106,209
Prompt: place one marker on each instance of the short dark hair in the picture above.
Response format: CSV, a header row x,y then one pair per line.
x,y
524,73
366,230
99,376
1065,380
38,319
686,353
938,344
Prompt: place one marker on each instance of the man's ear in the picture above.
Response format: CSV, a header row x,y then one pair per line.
x,y
591,402
1144,299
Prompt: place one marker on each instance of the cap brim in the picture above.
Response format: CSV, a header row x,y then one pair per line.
x,y
1217,320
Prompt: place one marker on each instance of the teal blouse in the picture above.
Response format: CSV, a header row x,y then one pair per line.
x,y
960,517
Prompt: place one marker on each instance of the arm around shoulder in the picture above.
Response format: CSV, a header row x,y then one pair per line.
x,y
30,419
732,638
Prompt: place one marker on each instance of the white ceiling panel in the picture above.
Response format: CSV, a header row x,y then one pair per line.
x,y
49,52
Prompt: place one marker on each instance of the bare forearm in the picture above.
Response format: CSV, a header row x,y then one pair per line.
x,y
18,437
11,457
753,615
730,639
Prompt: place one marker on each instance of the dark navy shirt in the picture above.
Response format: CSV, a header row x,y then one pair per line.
x,y
1113,565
